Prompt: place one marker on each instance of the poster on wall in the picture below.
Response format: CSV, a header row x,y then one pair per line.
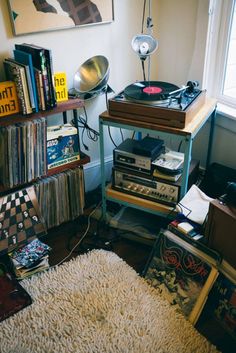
x,y
29,16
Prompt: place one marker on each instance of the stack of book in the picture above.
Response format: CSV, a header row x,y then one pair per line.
x,y
31,70
30,259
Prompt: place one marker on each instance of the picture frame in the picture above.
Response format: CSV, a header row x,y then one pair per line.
x,y
32,16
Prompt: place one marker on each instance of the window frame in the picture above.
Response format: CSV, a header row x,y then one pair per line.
x,y
218,38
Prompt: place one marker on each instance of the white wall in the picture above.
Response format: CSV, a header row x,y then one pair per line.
x,y
71,47
180,27
182,32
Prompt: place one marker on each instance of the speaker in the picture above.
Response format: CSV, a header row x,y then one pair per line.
x,y
144,45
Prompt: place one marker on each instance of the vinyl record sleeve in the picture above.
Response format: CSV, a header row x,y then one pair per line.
x,y
182,274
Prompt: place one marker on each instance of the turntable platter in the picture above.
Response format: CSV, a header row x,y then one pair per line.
x,y
149,92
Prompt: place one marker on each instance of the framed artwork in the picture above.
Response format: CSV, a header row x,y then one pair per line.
x,y
29,16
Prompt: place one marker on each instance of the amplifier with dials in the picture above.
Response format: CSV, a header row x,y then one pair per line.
x,y
146,187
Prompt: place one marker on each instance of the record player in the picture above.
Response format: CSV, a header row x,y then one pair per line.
x,y
158,102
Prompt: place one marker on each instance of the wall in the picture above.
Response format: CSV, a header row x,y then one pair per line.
x,y
71,47
182,32
180,27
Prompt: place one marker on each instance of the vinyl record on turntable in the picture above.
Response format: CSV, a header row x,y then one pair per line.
x,y
149,92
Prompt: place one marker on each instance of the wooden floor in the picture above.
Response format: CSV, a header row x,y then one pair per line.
x,y
64,238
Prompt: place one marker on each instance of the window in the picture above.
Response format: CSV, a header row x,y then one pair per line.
x,y
229,87
220,63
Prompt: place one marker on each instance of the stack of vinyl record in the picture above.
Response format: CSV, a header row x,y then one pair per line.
x,y
67,189
23,152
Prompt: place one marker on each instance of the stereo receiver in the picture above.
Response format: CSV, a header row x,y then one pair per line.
x,y
150,187
147,188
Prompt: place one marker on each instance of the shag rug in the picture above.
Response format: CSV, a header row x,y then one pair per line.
x,y
96,303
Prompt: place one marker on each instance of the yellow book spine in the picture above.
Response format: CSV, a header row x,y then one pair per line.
x,y
8,99
60,85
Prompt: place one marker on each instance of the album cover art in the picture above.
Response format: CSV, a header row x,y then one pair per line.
x,y
182,274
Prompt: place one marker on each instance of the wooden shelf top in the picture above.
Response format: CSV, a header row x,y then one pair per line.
x,y
84,159
200,118
147,205
61,107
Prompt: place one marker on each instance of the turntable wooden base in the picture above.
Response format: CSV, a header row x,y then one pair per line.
x,y
156,114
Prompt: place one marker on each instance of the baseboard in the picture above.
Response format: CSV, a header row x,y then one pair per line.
x,y
92,173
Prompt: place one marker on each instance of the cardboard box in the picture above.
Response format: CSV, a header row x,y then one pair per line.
x,y
62,145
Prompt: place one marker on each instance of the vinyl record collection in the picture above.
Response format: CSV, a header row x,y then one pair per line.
x,y
61,196
23,152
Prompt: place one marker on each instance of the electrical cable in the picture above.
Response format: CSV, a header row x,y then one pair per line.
x,y
81,239
91,133
122,136
109,131
144,9
188,209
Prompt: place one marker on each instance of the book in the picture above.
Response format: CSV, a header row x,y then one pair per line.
x,y
60,85
9,103
31,253
42,60
23,272
49,68
16,73
183,274
39,62
39,84
26,59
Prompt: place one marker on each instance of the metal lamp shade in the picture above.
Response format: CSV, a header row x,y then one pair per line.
x,y
92,75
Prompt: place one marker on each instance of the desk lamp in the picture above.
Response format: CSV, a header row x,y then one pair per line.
x,y
145,44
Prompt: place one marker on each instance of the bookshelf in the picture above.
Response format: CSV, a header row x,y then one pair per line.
x,y
76,202
63,108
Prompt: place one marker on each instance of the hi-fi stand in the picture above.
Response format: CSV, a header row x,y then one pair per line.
x,y
182,136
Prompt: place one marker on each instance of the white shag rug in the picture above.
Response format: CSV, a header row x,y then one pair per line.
x,y
96,303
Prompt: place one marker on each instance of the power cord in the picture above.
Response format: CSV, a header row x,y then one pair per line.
x,y
81,239
109,129
91,133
